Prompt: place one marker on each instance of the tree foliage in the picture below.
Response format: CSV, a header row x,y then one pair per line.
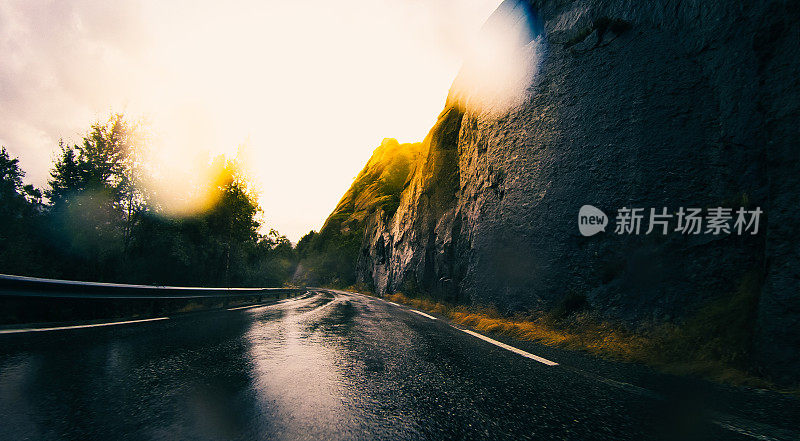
x,y
20,206
329,257
99,224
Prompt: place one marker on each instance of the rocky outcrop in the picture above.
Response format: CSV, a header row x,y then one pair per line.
x,y
622,104
377,187
330,256
413,249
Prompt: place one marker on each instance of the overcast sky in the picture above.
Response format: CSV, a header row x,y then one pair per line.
x,y
311,87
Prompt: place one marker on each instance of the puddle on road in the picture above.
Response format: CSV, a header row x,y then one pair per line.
x,y
299,388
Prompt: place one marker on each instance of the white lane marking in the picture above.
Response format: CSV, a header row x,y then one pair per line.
x,y
753,429
726,426
423,314
511,348
63,328
244,307
745,432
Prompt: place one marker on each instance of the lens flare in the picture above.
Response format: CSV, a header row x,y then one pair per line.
x,y
503,63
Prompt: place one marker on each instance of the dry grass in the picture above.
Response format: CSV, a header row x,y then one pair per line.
x,y
713,344
582,331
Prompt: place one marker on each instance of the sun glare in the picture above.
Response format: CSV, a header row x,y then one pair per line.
x,y
310,87
503,61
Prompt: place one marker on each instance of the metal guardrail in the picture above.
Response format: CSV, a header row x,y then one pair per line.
x,y
20,286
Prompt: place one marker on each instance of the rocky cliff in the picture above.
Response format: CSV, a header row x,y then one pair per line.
x,y
615,104
330,256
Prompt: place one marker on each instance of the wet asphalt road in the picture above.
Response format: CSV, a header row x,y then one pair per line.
x,y
328,365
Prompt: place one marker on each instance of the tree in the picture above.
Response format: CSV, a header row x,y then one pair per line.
x,y
304,245
20,207
17,200
233,217
101,162
93,197
221,246
99,225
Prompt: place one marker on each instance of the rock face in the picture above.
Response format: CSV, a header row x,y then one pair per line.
x,y
330,256
623,104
